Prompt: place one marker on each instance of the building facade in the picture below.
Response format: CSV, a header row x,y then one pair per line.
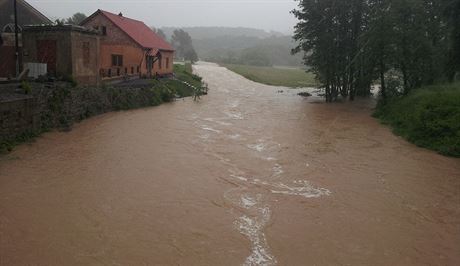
x,y
27,15
68,51
128,47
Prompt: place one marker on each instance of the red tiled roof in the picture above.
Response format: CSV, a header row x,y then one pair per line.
x,y
138,31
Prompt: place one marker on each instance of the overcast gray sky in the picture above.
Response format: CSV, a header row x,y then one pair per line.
x,y
262,14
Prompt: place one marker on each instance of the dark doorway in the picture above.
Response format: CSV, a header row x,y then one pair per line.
x,y
46,53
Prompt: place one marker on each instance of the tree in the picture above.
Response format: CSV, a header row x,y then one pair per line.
x,y
349,44
159,32
76,18
452,15
182,42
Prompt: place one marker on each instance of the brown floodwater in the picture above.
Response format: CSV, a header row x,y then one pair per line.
x,y
251,174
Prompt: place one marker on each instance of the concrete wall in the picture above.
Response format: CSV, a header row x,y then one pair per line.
x,y
85,58
71,57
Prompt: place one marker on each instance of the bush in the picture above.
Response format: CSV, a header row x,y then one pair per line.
x,y
26,87
428,117
71,80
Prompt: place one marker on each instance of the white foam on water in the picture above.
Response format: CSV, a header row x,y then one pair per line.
x,y
277,170
222,123
234,136
302,188
205,127
252,227
257,147
234,104
271,159
204,136
247,201
194,116
234,115
239,177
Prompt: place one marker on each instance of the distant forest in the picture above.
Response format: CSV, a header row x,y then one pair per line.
x,y
241,46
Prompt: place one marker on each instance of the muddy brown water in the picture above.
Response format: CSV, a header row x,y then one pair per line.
x,y
248,175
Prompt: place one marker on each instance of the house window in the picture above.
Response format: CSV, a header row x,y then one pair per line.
x,y
117,60
159,62
85,54
132,70
167,62
104,30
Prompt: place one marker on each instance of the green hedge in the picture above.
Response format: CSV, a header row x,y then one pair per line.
x,y
428,117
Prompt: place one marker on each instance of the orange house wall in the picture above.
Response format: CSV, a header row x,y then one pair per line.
x,y
132,58
116,42
164,70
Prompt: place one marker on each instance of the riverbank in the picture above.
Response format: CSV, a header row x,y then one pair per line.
x,y
428,117
29,109
287,77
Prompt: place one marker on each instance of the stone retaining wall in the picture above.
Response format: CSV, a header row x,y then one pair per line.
x,y
58,105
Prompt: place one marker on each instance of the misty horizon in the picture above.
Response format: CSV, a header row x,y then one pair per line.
x,y
268,15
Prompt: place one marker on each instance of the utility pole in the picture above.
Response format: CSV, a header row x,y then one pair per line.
x,y
16,37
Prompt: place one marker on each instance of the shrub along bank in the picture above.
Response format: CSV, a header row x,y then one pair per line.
x,y
428,117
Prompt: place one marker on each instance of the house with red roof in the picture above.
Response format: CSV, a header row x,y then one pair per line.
x,y
128,47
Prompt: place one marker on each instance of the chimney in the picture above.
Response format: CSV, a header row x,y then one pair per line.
x,y
120,14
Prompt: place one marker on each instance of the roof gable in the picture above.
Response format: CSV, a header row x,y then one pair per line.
x,y
136,30
27,14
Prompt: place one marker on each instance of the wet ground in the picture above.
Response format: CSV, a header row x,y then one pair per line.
x,y
251,174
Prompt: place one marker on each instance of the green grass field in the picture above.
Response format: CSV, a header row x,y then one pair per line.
x,y
428,117
288,77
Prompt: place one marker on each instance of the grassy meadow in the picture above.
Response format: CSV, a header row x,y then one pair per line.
x,y
288,77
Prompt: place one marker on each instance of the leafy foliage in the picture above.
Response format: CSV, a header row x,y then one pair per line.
x,y
182,42
349,44
428,117
75,19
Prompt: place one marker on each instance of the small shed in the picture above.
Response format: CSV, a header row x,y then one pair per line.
x,y
67,50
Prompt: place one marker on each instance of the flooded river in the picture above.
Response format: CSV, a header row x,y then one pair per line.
x,y
251,174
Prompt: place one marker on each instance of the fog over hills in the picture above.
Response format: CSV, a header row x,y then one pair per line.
x,y
213,32
241,45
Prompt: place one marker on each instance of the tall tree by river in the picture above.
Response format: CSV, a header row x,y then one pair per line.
x,y
182,42
350,44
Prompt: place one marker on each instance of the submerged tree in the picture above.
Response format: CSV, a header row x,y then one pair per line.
x,y
350,44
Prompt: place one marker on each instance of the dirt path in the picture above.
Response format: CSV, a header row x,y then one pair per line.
x,y
248,175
